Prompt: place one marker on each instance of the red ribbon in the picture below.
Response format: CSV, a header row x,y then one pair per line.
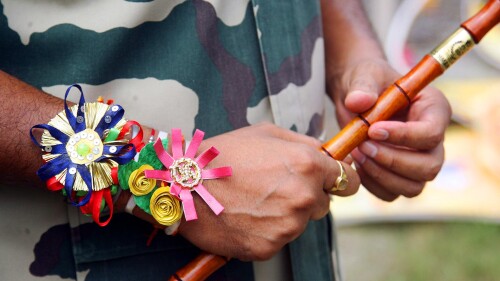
x,y
114,175
94,206
53,184
137,140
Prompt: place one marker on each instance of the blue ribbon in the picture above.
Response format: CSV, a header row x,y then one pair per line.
x,y
110,119
77,123
54,132
87,178
59,164
122,155
54,167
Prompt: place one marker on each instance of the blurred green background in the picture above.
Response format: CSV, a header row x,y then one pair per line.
x,y
454,251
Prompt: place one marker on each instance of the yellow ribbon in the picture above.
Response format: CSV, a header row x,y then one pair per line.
x,y
164,207
138,183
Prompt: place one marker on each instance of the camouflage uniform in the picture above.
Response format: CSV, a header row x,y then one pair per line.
x,y
213,65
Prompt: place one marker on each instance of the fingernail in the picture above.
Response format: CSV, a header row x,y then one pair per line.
x,y
369,149
380,134
363,94
358,157
357,166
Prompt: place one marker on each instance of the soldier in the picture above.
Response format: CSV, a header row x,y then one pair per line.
x,y
223,67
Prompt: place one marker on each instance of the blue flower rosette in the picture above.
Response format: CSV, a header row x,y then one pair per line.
x,y
82,148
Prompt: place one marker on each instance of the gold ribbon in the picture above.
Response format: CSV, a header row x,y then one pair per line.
x,y
101,171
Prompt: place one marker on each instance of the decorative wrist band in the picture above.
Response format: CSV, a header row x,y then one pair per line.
x,y
89,152
81,146
185,174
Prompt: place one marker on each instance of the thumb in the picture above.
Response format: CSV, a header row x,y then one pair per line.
x,y
363,86
362,93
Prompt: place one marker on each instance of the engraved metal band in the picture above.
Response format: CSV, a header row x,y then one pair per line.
x,y
451,49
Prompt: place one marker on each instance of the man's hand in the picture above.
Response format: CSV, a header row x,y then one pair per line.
x,y
278,184
403,153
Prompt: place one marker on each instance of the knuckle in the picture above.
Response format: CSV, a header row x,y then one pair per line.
x,y
377,177
434,139
404,137
305,160
265,125
315,142
392,163
294,227
433,170
361,82
264,252
323,209
413,190
389,198
269,242
307,199
245,252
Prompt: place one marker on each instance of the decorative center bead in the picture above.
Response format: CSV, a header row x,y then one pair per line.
x,y
185,172
84,147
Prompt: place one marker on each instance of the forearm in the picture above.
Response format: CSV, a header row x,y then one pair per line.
x,y
348,35
21,107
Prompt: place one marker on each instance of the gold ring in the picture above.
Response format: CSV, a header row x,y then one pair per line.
x,y
341,181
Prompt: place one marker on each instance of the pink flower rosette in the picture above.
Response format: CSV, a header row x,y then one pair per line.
x,y
185,173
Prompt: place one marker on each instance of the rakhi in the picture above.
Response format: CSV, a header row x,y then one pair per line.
x,y
186,173
160,184
88,154
82,146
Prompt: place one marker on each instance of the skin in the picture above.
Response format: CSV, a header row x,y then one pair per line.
x,y
280,179
403,153
22,158
278,185
259,217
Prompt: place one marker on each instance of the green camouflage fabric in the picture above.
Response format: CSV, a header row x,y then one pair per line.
x,y
215,65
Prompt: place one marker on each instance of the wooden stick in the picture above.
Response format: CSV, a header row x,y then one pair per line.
x,y
393,99
400,94
200,268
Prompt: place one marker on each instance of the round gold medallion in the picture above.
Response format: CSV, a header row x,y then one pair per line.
x,y
185,172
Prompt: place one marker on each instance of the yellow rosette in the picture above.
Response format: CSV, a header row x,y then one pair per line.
x,y
164,207
138,183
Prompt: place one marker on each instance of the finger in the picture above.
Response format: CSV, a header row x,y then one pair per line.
x,y
373,187
362,94
421,135
363,87
428,118
322,206
391,182
414,165
333,172
327,170
348,159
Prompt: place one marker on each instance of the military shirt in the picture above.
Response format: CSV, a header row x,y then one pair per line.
x,y
214,65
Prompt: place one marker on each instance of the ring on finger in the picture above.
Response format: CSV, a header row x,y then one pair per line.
x,y
341,182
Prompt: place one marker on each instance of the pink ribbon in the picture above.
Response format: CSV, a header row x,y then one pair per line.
x,y
176,188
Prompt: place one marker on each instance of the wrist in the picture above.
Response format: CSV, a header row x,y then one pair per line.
x,y
349,37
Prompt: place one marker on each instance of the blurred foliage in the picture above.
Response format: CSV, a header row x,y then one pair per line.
x,y
420,252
